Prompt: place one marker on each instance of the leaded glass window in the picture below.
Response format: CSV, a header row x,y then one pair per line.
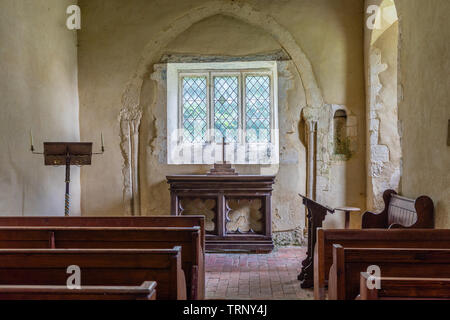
x,y
211,101
235,105
257,108
226,108
194,105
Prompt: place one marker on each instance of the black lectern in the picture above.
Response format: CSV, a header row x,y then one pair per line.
x,y
67,154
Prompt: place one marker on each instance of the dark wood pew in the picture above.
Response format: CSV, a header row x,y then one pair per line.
x,y
373,238
99,267
348,263
394,288
117,238
146,291
137,222
401,212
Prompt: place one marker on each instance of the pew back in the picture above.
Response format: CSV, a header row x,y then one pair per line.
x,y
99,267
373,238
146,291
395,288
151,221
348,263
117,238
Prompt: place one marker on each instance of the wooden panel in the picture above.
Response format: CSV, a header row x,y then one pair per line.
x,y
222,188
402,211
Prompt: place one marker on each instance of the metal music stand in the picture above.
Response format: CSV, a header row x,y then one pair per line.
x,y
67,154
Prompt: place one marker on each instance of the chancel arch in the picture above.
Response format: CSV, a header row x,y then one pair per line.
x,y
133,108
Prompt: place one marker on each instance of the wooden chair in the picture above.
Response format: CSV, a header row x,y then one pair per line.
x,y
188,238
395,288
99,267
372,238
401,212
348,263
146,291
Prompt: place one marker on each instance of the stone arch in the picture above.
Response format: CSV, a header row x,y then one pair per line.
x,y
383,138
131,113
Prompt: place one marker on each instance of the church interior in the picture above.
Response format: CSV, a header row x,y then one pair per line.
x,y
241,149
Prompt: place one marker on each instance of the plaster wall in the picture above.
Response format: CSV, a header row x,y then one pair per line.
x,y
424,110
113,36
383,137
38,90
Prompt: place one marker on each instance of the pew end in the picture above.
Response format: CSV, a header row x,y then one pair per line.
x,y
401,212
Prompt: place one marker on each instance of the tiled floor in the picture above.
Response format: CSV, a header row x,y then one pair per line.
x,y
256,276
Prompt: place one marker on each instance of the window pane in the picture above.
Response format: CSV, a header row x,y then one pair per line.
x,y
257,108
226,108
194,109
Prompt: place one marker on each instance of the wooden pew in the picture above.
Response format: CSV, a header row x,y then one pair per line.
x,y
99,267
348,263
137,222
146,291
401,212
373,238
394,288
117,238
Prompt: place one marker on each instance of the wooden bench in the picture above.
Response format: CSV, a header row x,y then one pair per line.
x,y
117,238
348,263
401,212
394,288
373,238
146,291
99,267
137,222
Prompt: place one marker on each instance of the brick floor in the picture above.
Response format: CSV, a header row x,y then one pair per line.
x,y
256,276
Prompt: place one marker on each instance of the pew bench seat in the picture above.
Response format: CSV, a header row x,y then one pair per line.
x,y
396,288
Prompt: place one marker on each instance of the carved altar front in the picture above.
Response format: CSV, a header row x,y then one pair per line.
x,y
237,208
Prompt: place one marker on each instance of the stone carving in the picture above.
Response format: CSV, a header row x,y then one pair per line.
x,y
206,207
130,120
244,216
